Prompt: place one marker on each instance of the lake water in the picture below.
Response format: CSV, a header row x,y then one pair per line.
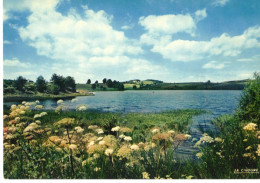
x,y
218,102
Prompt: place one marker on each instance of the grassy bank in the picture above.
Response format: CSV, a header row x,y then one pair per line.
x,y
41,96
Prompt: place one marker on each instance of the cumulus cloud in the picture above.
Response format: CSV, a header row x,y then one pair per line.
x,y
7,42
225,45
14,62
213,65
200,14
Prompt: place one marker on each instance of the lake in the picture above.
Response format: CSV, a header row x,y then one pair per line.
x,y
216,101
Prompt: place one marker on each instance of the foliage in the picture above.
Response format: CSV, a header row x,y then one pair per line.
x,y
41,84
20,83
89,81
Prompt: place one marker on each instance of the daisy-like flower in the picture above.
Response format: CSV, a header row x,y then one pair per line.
x,y
250,127
127,138
134,147
109,152
115,129
60,101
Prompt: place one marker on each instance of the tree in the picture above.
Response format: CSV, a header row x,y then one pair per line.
x,y
59,81
104,80
89,81
96,82
70,84
41,84
121,86
134,87
20,83
109,83
93,86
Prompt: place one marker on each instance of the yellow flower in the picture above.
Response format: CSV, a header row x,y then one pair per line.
x,y
145,175
258,150
124,152
99,131
115,129
250,127
79,129
127,138
31,127
96,169
134,147
65,122
84,163
217,139
109,152
102,142
248,148
125,129
59,101
73,146
199,155
38,107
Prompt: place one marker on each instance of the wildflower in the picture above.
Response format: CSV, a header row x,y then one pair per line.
x,y
38,131
115,129
43,114
102,142
13,107
111,141
207,139
217,139
74,100
96,148
65,122
187,136
60,101
141,145
37,116
30,127
189,177
60,108
99,131
55,139
248,148
125,129
180,137
250,127
79,129
124,152
162,136
171,131
91,127
24,102
134,147
82,107
96,169
96,156
84,163
37,101
145,175
127,138
38,122
38,107
91,143
245,140
247,155
17,119
199,155
155,130
22,112
5,117
109,152
99,138
29,137
121,136
258,150
73,146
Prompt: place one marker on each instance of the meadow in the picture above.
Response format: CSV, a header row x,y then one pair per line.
x,y
98,145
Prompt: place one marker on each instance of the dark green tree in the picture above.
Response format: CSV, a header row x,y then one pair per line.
x,y
59,81
70,84
134,87
41,84
104,80
109,83
89,81
93,86
20,83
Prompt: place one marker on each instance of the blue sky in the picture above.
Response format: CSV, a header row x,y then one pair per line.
x,y
169,40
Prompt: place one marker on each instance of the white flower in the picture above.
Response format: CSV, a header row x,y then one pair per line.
x,y
102,142
81,107
74,100
24,102
99,138
121,136
199,155
187,136
115,129
108,152
99,131
155,130
134,147
127,138
37,116
43,114
59,101
79,129
37,101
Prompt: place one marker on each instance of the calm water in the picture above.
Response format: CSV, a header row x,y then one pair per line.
x,y
218,102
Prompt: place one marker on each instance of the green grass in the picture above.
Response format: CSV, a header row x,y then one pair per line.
x,y
130,86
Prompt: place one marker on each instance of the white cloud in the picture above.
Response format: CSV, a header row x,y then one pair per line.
x,y
127,27
7,42
15,63
225,45
200,14
168,24
213,65
220,2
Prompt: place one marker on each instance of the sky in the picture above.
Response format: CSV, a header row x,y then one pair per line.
x,y
168,40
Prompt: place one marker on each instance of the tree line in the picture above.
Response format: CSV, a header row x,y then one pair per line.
x,y
56,85
106,83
